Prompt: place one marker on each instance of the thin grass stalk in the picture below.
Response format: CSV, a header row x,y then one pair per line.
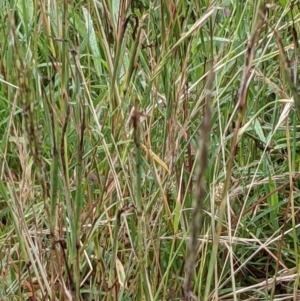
x,y
37,87
169,105
134,54
143,279
121,29
162,283
53,201
52,128
79,198
288,73
200,194
290,205
107,52
138,199
293,211
241,106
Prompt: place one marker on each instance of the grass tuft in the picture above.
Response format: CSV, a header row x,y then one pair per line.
x,y
149,150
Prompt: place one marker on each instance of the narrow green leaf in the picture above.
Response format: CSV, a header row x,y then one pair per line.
x,y
92,41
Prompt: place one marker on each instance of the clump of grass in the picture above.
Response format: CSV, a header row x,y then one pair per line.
x,y
102,107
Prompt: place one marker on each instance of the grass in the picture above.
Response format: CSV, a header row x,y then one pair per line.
x,y
149,150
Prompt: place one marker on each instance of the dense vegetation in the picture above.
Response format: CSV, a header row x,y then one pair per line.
x,y
149,150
